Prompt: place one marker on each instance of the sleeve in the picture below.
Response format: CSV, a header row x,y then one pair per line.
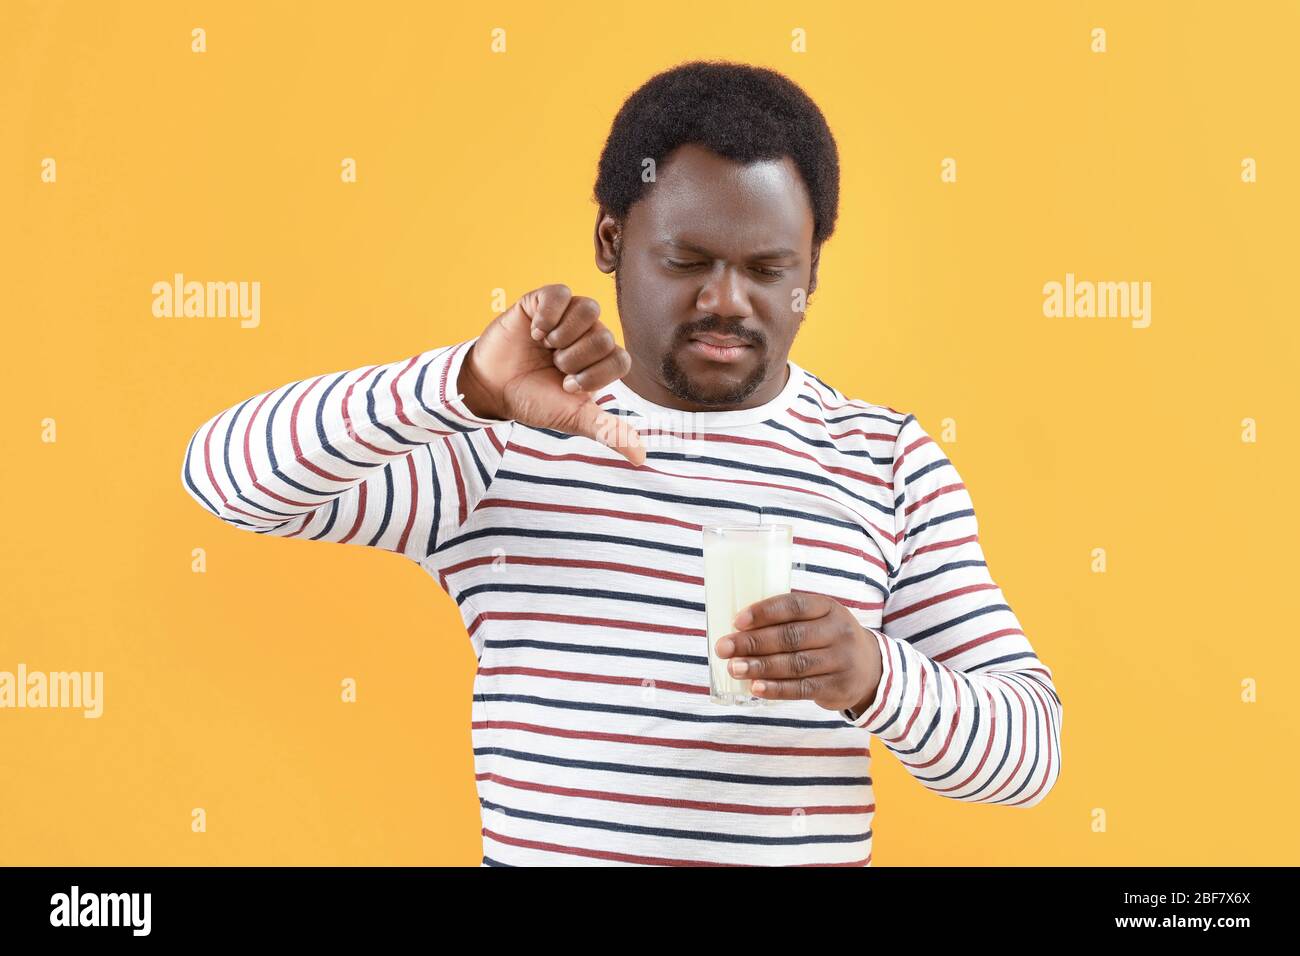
x,y
387,456
963,702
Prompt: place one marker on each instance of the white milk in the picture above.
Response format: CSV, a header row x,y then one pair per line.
x,y
742,565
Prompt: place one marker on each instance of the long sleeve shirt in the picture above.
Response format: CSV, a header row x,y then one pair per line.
x,y
579,578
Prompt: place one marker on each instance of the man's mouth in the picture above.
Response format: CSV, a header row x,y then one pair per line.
x,y
719,348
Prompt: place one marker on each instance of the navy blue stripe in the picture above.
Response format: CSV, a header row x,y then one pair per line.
x,y
374,419
682,773
942,569
704,836
970,743
829,444
437,499
925,470
1006,754
547,533
1033,767
190,482
954,621
843,418
334,513
677,715
581,592
757,511
388,506
941,519
700,660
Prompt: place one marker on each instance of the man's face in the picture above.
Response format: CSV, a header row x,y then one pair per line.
x,y
713,247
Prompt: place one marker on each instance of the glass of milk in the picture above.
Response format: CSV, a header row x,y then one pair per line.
x,y
742,565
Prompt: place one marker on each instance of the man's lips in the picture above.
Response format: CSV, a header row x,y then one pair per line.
x,y
721,341
719,348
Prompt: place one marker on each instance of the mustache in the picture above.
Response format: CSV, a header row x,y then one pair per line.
x,y
718,327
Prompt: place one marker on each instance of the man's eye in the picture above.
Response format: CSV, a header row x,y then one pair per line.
x,y
675,264
774,273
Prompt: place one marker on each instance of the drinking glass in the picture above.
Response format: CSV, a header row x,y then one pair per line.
x,y
742,565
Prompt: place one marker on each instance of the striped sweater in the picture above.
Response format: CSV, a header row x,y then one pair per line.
x,y
579,578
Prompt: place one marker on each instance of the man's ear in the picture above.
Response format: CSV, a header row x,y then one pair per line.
x,y
608,241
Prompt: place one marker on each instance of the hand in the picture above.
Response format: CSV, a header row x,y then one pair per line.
x,y
804,646
519,367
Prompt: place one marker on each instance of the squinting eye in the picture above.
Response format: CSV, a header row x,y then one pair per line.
x,y
680,265
774,273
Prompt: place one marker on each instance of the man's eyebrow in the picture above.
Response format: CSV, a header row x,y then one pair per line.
x,y
781,253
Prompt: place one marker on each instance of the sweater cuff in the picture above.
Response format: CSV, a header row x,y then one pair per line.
x,y
888,692
438,390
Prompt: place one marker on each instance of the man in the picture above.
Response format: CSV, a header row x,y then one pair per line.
x,y
555,485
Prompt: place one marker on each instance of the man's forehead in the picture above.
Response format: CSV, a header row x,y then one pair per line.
x,y
700,198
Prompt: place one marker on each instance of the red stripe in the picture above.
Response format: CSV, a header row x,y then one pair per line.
x,y
590,621
643,800
594,678
777,446
674,742
361,514
952,730
293,438
939,546
663,520
415,504
923,440
1016,692
599,854
347,419
620,463
988,748
460,482
931,496
1049,734
936,599
871,436
972,644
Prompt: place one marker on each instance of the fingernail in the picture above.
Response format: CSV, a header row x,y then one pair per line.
x,y
758,687
725,646
740,668
537,333
570,383
743,620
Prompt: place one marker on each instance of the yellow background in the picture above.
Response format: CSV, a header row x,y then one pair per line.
x,y
475,172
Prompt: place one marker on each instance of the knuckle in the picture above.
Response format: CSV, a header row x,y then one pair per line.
x,y
801,662
792,634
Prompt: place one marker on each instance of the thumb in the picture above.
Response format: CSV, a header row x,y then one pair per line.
x,y
612,431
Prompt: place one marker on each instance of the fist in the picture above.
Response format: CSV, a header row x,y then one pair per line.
x,y
538,363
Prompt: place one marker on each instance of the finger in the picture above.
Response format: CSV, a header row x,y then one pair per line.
x,y
595,345
612,431
786,638
803,688
613,366
545,307
805,663
580,315
791,606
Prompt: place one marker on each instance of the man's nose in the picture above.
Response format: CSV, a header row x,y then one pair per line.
x,y
723,293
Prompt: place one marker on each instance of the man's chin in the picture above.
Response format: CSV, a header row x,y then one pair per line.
x,y
704,382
